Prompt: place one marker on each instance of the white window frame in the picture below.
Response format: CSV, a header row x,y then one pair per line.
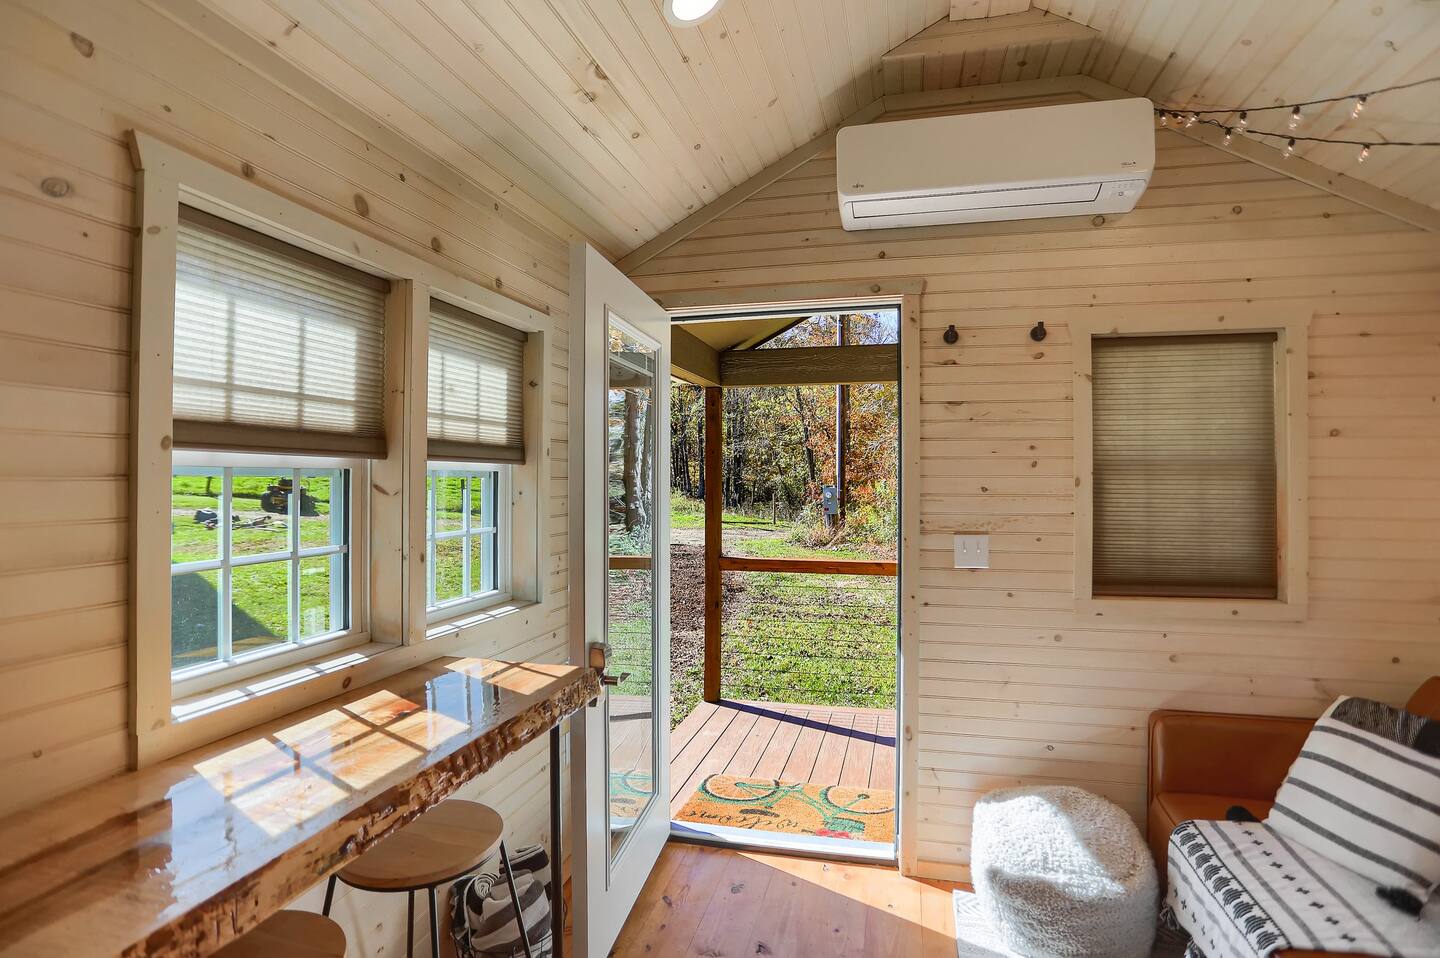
x,y
439,612
166,717
1290,324
234,668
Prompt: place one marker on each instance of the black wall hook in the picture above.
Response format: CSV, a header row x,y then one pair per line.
x,y
1037,332
952,335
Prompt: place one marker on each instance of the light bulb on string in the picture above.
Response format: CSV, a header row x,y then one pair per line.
x,y
1359,105
1228,134
1294,118
1364,152
1244,119
1190,120
1290,148
1164,118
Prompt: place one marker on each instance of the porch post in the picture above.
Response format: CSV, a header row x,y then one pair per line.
x,y
714,504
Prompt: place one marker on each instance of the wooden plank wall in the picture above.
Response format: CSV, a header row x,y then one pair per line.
x,y
1014,686
74,76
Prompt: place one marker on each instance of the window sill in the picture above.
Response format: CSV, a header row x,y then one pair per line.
x,y
204,717
1179,607
445,622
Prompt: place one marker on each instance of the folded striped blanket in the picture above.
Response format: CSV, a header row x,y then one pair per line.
x,y
1242,890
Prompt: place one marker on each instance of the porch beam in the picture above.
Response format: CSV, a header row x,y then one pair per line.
x,y
810,366
714,504
692,359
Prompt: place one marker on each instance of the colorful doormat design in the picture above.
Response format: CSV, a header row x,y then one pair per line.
x,y
830,811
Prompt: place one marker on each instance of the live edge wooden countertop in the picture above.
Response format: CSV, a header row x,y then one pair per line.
x,y
183,857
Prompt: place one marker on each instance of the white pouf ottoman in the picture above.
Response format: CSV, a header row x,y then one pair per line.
x,y
1062,873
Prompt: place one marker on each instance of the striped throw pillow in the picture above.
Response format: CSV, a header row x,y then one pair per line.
x,y
1365,793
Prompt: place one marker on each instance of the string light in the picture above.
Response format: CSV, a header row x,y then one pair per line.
x,y
1241,127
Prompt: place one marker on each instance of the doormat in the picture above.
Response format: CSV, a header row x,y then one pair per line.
x,y
829,811
975,939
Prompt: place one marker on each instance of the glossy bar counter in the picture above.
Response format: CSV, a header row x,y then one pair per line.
x,y
185,856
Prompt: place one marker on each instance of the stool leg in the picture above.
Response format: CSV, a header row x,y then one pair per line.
x,y
434,925
515,898
329,895
410,924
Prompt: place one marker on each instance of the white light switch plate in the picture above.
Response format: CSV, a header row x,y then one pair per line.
x,y
972,552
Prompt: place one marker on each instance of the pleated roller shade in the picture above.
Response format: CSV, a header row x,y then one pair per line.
x,y
1184,466
476,394
277,349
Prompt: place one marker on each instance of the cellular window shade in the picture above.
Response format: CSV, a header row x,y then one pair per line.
x,y
476,392
277,349
1184,466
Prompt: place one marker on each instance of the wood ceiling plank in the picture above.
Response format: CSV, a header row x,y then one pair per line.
x,y
790,64
620,53
552,50
979,9
704,97
946,37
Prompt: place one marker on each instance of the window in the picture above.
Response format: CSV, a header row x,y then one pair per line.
x,y
464,537
259,562
276,351
282,433
1190,467
1184,466
475,423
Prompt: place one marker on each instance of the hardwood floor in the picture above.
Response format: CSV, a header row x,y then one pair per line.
x,y
793,743
718,903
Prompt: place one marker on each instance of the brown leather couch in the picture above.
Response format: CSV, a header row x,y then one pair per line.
x,y
1201,763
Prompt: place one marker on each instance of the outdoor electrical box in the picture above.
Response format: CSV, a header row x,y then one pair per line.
x,y
830,500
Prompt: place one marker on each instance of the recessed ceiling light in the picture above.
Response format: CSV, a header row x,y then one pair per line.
x,y
687,13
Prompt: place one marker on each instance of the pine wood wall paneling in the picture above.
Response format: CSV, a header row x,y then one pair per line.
x,y
1015,686
64,356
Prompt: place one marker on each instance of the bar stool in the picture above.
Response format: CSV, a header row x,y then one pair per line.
x,y
452,839
289,934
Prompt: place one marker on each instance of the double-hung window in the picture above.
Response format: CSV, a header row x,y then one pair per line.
x,y
277,405
475,428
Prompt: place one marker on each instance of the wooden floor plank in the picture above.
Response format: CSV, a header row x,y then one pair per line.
x,y
715,759
686,760
746,757
831,757
777,752
859,753
715,902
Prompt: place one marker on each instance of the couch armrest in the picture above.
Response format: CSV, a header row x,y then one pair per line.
x,y
1210,752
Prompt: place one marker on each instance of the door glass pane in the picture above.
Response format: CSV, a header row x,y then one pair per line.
x,y
630,587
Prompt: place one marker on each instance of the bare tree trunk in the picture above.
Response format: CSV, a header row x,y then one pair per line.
x,y
627,445
842,426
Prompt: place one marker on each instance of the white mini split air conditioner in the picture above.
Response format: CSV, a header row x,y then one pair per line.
x,y
1077,159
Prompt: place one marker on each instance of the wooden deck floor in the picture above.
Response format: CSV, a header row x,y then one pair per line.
x,y
793,743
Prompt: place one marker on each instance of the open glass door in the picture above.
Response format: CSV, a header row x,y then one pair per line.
x,y
620,780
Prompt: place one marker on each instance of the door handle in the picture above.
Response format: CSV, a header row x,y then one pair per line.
x,y
613,680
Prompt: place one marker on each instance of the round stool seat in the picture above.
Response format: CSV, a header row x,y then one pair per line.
x,y
451,839
1062,873
289,934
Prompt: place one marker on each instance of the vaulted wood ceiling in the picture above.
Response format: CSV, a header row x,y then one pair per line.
x,y
603,117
